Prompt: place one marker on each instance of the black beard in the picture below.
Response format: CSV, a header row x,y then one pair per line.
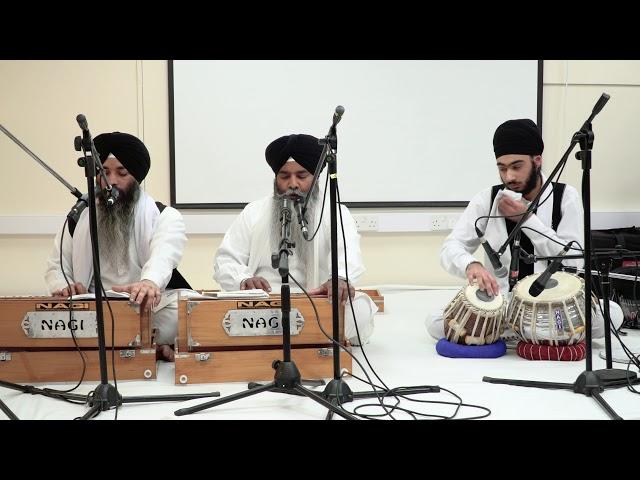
x,y
531,183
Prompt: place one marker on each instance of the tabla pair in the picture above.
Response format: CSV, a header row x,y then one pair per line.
x,y
555,317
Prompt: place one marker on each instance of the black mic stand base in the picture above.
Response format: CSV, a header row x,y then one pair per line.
x,y
311,383
7,411
339,392
286,380
103,398
336,392
590,383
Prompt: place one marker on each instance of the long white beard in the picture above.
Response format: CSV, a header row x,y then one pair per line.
x,y
303,251
115,228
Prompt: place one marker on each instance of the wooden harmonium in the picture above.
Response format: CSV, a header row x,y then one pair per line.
x,y
227,340
37,340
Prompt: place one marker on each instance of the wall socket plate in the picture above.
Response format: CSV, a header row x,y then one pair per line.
x,y
366,223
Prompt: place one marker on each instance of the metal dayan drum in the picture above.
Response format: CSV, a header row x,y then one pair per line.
x,y
473,317
556,316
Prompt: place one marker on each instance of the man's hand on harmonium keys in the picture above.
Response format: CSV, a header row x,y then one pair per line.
x,y
75,289
255,283
343,290
144,293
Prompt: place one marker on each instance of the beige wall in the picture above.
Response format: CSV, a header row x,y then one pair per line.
x,y
40,100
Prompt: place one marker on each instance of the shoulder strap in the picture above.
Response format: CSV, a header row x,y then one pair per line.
x,y
494,191
558,190
71,226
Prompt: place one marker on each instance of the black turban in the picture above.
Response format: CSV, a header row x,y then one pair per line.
x,y
129,151
304,149
518,137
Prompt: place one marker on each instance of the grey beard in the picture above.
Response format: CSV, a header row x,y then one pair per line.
x,y
302,251
115,225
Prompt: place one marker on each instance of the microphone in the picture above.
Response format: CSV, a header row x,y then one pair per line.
x,y
337,115
112,196
604,98
81,204
82,121
298,201
285,211
514,268
541,282
500,271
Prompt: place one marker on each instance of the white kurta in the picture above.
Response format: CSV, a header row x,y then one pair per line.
x,y
246,251
157,247
458,248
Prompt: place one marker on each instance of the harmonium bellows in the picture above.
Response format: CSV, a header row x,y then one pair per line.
x,y
227,340
37,340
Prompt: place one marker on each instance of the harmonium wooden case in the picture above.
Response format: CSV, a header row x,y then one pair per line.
x,y
36,343
232,340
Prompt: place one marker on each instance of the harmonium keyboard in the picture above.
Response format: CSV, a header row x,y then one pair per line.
x,y
229,340
38,338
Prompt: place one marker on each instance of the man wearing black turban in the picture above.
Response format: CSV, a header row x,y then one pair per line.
x,y
141,242
243,260
518,148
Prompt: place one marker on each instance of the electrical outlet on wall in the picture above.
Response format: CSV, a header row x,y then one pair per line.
x,y
366,223
439,222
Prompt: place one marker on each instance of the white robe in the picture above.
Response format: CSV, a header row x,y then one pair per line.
x,y
246,250
158,244
458,248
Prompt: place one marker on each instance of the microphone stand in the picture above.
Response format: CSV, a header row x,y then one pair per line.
x,y
105,396
610,376
588,383
7,411
287,377
514,270
81,204
73,215
337,390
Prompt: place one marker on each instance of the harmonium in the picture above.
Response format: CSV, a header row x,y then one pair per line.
x,y
44,339
238,339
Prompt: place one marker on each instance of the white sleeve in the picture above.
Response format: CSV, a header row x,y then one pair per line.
x,y
53,275
458,248
571,227
167,246
231,261
354,255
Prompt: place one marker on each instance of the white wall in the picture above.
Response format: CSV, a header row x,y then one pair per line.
x,y
40,100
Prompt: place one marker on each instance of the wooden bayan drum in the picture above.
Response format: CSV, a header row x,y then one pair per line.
x,y
473,317
556,316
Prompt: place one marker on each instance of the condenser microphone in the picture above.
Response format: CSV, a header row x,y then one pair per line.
x,y
337,116
298,201
82,121
112,196
540,284
499,269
